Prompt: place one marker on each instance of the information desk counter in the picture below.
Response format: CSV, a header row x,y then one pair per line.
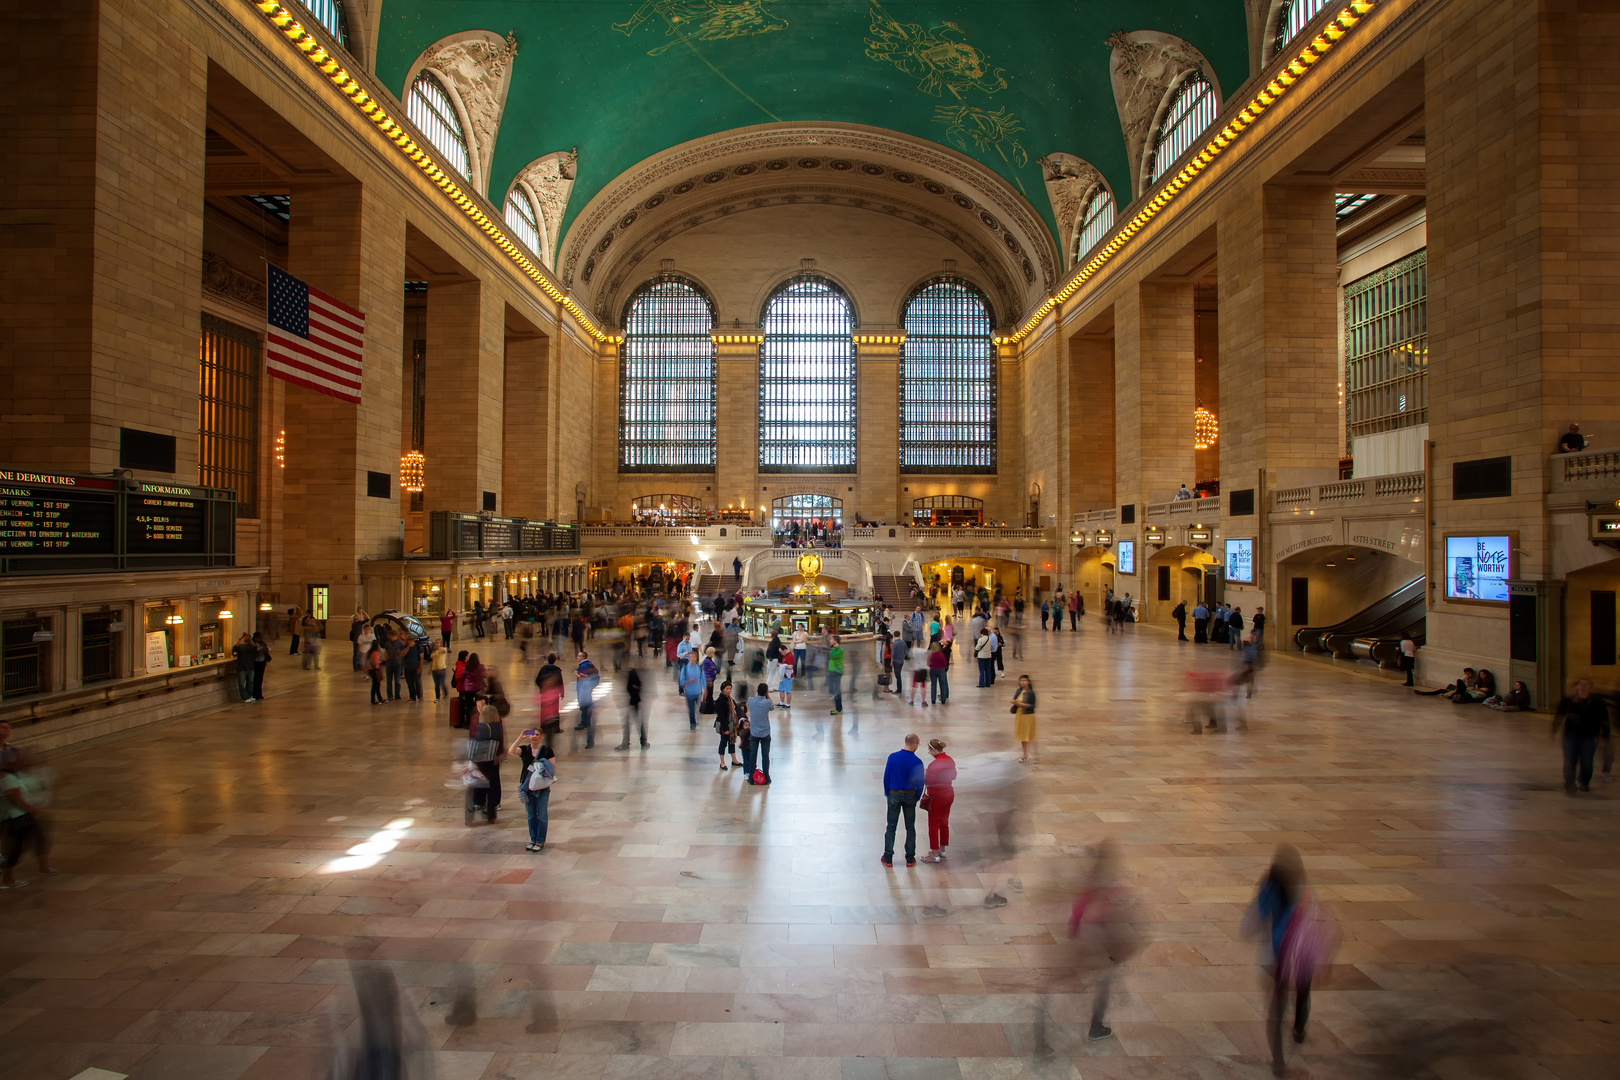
x,y
763,616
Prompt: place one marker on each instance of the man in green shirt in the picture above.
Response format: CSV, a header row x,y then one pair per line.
x,y
835,674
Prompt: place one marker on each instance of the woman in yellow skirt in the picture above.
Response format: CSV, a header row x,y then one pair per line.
x,y
1023,708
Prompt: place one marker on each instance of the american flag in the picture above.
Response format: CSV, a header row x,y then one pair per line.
x,y
314,340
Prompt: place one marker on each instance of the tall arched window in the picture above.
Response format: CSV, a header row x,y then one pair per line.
x,y
434,115
667,378
807,379
1191,110
329,13
524,221
948,381
1095,221
1293,16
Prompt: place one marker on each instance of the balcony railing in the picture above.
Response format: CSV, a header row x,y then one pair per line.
x,y
1406,487
1191,509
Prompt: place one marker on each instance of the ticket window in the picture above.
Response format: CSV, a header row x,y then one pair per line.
x,y
25,661
101,646
162,636
427,598
216,627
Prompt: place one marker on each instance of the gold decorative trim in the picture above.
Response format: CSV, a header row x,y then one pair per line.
x,y
736,339
1267,96
316,53
878,339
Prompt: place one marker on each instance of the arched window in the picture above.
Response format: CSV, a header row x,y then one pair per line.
x,y
434,115
1191,110
524,221
329,13
947,510
667,509
947,381
807,379
1293,16
806,512
1095,221
667,378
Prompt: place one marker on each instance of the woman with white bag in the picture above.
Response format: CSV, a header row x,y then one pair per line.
x,y
534,784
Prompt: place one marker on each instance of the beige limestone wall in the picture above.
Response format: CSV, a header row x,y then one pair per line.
x,y
525,391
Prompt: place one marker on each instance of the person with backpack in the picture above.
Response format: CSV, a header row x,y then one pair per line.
x,y
984,647
534,784
784,684
411,661
484,751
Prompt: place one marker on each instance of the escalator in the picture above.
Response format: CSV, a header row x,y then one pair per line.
x,y
1375,632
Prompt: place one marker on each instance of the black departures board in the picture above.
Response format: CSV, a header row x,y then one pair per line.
x,y
65,523
165,519
46,514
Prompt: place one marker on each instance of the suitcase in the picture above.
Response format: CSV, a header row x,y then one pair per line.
x,y
455,712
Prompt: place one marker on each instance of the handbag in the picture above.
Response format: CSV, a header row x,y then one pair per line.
x,y
538,779
922,803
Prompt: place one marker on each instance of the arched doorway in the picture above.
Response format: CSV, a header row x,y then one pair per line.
x,y
943,510
1174,575
807,518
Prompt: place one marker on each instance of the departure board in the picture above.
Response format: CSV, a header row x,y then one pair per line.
x,y
164,519
45,514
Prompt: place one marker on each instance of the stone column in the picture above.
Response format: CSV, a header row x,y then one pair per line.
x,y
1153,391
736,470
466,371
1090,425
1279,362
351,248
525,439
877,433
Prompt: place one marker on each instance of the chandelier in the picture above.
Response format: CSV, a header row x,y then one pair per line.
x,y
410,471
1206,429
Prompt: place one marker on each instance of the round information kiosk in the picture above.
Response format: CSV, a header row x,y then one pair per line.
x,y
808,606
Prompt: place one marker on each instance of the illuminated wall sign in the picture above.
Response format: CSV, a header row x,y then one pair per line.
x,y
1604,527
1105,539
1200,536
1478,567
1240,560
1125,557
1155,536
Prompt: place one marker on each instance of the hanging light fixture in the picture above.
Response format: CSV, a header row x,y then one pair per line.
x,y
1206,429
411,472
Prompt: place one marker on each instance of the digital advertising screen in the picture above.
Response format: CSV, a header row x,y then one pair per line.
x,y
1240,560
1125,556
1478,567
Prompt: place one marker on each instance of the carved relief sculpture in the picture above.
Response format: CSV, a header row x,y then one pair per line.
x,y
1144,66
1069,180
549,180
477,66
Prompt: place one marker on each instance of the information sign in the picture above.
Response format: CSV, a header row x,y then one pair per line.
x,y
45,514
164,519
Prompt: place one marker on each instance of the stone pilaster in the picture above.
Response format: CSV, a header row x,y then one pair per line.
x,y
465,375
526,401
736,471
352,248
1153,391
877,447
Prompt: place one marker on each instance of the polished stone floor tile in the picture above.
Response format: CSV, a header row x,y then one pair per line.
x,y
682,925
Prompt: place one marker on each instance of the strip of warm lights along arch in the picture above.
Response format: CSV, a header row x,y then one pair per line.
x,y
1268,95
316,53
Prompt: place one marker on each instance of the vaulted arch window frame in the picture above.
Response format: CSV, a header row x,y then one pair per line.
x,y
1192,108
1096,220
433,110
948,379
668,378
1293,16
807,387
523,214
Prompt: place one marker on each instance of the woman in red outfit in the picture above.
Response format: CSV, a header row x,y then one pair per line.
x,y
938,779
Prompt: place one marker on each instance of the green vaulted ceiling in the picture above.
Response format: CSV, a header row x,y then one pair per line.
x,y
1005,81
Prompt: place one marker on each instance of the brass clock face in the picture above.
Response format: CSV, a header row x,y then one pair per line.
x,y
810,565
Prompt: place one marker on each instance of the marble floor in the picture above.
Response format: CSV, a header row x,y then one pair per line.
x,y
682,924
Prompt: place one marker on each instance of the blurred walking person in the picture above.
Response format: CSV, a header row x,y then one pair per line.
x,y
25,798
939,792
632,711
392,1045
1585,719
1301,940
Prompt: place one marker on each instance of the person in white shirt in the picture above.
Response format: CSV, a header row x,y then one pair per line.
x,y
1183,494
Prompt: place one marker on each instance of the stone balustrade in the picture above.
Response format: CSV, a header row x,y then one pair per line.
x,y
1403,486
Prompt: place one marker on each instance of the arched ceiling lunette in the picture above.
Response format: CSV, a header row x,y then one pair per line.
x,y
736,172
1003,81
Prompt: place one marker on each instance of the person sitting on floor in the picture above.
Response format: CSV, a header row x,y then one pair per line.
x,y
1515,700
1457,692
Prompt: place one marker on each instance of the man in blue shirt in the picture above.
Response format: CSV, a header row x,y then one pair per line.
x,y
903,786
586,679
1200,624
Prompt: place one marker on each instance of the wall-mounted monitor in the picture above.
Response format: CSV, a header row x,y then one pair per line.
x,y
1125,556
1240,560
1478,567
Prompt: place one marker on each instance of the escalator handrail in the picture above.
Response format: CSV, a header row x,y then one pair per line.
x,y
1367,620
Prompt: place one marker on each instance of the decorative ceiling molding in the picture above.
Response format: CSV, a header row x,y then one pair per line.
x,y
1145,66
476,67
944,188
1069,183
549,180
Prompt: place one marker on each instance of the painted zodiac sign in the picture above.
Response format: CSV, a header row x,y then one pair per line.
x,y
987,130
936,58
703,20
